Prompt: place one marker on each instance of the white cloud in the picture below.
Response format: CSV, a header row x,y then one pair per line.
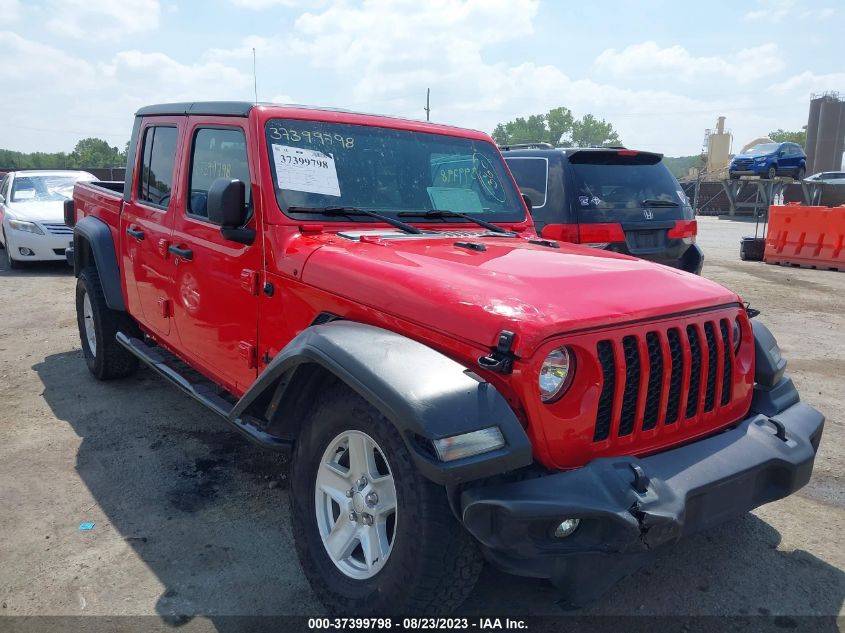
x,y
676,62
777,11
807,83
258,5
102,19
97,99
10,10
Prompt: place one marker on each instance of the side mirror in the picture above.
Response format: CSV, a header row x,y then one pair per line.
x,y
528,203
227,208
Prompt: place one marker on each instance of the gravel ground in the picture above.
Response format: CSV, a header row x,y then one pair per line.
x,y
191,519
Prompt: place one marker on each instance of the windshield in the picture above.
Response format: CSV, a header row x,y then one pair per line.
x,y
619,186
766,148
319,165
41,188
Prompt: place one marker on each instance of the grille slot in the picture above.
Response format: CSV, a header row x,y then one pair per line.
x,y
676,380
632,385
727,363
712,367
57,229
695,370
655,381
605,410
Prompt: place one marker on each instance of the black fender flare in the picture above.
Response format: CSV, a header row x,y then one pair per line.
x,y
98,236
425,394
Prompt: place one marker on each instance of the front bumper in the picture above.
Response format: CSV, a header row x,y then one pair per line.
x,y
47,247
681,491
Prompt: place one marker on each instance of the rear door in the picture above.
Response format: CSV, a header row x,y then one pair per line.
x,y
146,224
216,280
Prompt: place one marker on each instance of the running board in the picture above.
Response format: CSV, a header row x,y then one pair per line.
x,y
204,391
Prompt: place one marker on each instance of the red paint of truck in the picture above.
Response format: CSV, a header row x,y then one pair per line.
x,y
454,300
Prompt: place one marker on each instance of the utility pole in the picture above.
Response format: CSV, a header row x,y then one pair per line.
x,y
254,76
427,104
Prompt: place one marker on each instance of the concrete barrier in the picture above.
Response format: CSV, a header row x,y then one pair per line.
x,y
810,237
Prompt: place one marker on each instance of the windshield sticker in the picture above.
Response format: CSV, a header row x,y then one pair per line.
x,y
306,170
454,198
584,200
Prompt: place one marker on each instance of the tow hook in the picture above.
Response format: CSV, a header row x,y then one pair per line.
x,y
641,480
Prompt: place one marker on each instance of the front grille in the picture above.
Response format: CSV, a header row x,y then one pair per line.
x,y
685,359
57,229
743,164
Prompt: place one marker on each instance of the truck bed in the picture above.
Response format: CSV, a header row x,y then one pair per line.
x,y
102,199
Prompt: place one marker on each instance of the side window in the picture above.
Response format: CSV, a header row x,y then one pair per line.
x,y
531,175
4,188
156,181
216,153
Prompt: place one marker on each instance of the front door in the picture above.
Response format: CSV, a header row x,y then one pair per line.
x,y
216,280
147,223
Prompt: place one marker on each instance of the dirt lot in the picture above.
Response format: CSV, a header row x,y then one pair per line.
x,y
189,518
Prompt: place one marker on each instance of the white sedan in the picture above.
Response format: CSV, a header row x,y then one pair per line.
x,y
828,177
32,226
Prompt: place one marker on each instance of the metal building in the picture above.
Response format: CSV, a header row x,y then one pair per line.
x,y
812,132
825,154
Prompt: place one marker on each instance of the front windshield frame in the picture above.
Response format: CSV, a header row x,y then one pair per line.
x,y
763,149
45,188
408,160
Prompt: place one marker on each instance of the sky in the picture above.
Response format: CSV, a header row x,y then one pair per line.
x,y
659,71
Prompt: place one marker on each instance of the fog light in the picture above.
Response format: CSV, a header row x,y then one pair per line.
x,y
567,527
468,444
26,252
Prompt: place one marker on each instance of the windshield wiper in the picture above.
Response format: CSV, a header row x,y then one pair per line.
x,y
438,213
356,211
654,202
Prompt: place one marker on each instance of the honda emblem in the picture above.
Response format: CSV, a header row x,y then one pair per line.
x,y
649,214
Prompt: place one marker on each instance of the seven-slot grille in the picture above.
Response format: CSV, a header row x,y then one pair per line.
x,y
689,368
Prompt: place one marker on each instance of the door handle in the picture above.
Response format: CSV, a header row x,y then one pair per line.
x,y
138,234
184,253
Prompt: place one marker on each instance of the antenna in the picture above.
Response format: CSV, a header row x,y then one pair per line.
x,y
254,76
427,104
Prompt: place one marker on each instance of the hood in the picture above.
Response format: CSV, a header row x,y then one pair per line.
x,y
535,291
753,156
38,211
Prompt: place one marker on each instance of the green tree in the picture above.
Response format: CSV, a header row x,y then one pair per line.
x,y
557,126
95,152
784,136
592,132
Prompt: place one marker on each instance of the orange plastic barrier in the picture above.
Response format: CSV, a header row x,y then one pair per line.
x,y
806,236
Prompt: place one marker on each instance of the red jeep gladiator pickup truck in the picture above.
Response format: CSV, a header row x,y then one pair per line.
x,y
370,293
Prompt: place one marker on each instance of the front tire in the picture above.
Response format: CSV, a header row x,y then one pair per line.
x,y
801,173
373,536
11,263
773,172
98,326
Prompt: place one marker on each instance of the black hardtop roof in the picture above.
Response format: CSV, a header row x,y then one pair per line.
x,y
206,108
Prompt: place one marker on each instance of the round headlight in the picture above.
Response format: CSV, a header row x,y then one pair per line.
x,y
556,374
737,334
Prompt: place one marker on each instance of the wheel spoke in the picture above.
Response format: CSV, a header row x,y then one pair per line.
x,y
375,546
334,482
342,539
361,458
385,488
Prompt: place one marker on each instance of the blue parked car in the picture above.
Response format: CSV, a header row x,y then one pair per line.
x,y
769,160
